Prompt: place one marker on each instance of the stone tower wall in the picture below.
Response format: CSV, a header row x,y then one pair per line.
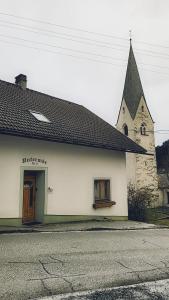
x,y
141,169
146,168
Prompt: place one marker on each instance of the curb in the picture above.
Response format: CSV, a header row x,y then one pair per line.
x,y
34,230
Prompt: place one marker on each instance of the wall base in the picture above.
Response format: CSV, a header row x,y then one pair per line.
x,y
48,219
11,222
62,219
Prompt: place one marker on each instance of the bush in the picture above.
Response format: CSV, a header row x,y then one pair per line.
x,y
139,200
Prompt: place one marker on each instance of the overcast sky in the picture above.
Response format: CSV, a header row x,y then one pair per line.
x,y
78,49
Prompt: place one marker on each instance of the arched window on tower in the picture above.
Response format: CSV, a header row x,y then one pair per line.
x,y
125,129
143,129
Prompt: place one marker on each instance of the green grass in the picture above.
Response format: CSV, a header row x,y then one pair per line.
x,y
162,222
158,216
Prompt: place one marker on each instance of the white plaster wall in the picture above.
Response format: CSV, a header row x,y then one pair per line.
x,y
71,173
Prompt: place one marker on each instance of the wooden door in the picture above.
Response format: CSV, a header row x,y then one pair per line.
x,y
29,199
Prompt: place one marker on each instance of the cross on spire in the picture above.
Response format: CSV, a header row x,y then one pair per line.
x,y
130,36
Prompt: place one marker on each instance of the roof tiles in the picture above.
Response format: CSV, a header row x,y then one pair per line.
x,y
70,123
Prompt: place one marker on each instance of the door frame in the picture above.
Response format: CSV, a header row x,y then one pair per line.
x,y
32,168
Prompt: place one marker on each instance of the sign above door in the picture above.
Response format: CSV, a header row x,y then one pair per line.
x,y
34,160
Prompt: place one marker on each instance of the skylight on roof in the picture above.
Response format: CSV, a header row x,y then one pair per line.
x,y
39,116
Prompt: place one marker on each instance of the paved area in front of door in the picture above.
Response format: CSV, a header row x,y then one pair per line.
x,y
101,224
35,265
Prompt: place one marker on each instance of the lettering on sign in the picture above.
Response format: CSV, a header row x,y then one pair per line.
x,y
34,160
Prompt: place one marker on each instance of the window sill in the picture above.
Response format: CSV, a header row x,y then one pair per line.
x,y
103,203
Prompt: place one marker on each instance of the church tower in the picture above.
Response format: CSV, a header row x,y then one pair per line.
x,y
135,121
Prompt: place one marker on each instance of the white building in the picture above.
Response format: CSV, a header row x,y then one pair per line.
x,y
58,160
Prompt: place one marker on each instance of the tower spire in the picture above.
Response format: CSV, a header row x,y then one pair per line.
x,y
133,90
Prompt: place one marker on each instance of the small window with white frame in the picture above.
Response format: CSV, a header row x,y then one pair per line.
x,y
39,116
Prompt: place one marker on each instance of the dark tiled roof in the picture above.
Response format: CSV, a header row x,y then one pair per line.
x,y
133,90
70,123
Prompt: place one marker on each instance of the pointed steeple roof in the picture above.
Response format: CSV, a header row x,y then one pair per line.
x,y
133,90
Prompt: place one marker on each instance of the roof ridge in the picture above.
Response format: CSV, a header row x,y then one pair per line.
x,y
38,92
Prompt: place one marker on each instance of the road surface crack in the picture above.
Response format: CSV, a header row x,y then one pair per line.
x,y
70,284
159,268
128,268
44,268
56,276
58,260
121,264
165,263
22,262
144,241
49,292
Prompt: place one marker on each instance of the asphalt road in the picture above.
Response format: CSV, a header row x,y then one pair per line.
x,y
41,264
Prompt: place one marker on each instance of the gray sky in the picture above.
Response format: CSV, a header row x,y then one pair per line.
x,y
82,54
